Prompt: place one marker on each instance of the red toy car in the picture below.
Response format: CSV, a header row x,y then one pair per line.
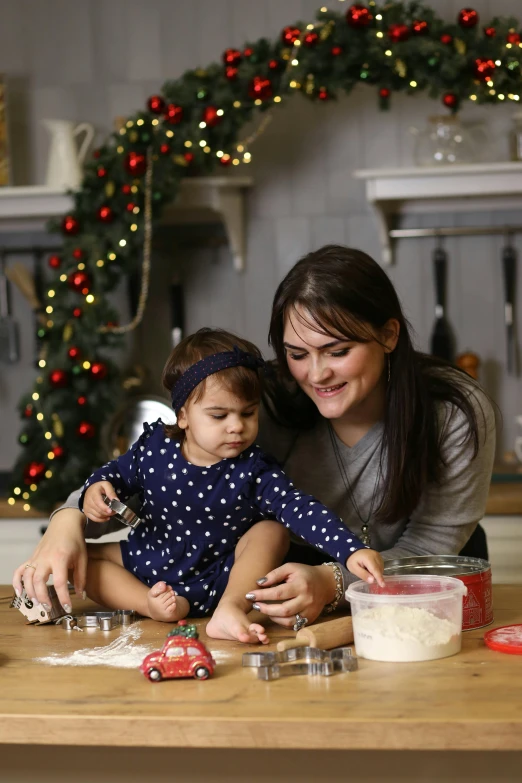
x,y
179,657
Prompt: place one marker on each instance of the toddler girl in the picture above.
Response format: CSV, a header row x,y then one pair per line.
x,y
203,484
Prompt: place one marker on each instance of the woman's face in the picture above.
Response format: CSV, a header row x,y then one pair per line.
x,y
345,379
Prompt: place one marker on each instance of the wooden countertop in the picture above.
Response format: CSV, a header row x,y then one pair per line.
x,y
470,701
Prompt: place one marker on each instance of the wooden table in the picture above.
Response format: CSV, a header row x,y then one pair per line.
x,y
472,701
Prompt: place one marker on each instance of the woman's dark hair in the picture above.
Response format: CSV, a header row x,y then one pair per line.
x,y
345,292
244,382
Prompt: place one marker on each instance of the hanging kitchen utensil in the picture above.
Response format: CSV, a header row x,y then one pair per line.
x,y
509,269
20,276
442,343
9,343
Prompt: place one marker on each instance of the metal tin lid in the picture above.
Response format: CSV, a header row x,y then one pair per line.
x,y
506,639
436,565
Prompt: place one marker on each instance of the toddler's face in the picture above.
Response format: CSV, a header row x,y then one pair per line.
x,y
218,425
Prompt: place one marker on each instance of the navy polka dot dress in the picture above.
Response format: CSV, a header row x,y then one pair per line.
x,y
193,517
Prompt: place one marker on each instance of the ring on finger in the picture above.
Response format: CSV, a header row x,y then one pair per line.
x,y
300,622
29,565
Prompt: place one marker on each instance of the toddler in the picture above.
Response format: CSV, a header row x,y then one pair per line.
x,y
203,484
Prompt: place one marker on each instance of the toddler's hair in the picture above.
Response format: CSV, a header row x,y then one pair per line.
x,y
244,382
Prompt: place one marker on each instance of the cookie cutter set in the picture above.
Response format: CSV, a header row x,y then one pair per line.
x,y
322,662
38,615
122,513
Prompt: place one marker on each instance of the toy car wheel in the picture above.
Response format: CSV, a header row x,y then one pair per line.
x,y
154,675
202,673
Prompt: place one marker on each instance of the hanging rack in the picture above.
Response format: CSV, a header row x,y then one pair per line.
x,y
453,231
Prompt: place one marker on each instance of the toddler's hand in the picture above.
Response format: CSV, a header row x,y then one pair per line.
x,y
368,565
93,504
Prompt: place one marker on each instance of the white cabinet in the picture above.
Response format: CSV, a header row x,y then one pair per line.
x,y
505,547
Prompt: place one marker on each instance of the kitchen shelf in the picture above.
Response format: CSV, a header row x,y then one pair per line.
x,y
199,200
477,187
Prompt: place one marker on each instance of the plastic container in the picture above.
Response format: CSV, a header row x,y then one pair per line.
x,y
412,618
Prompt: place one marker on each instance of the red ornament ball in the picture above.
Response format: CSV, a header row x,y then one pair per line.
x,y
130,206
78,253
468,17
260,87
58,451
323,94
337,50
77,312
232,56
275,65
86,430
513,37
58,379
446,39
211,117
79,282
96,154
135,164
484,69
156,104
398,32
105,214
419,26
70,225
101,172
384,93
126,189
225,160
290,35
189,156
450,100
34,472
358,16
54,262
231,72
311,39
28,412
82,400
248,52
490,32
99,370
74,352
174,114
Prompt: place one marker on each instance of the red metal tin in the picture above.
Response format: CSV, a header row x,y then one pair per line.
x,y
475,573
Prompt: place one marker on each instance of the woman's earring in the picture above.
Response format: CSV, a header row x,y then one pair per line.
x,y
389,367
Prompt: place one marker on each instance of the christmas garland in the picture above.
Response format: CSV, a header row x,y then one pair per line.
x,y
191,128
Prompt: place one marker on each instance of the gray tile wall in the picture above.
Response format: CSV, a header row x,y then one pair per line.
x,y
96,59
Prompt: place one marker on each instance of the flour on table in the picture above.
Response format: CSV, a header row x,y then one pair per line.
x,y
122,653
404,633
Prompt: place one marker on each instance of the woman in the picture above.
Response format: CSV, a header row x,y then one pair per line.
x,y
399,444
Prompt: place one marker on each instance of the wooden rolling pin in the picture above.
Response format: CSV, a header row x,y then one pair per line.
x,y
325,635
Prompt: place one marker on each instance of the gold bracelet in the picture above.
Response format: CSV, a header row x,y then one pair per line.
x,y
339,588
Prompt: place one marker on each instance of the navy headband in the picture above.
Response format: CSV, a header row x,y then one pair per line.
x,y
208,366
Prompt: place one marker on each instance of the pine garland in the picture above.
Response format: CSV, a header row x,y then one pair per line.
x,y
194,126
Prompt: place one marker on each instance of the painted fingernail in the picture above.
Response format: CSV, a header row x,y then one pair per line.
x,y
84,596
256,606
18,593
262,580
67,607
250,596
46,607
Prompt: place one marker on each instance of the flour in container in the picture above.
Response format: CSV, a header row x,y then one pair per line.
x,y
404,633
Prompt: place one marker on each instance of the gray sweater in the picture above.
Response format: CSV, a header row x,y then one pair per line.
x,y
444,519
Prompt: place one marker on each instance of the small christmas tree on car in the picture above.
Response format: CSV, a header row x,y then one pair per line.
x,y
184,629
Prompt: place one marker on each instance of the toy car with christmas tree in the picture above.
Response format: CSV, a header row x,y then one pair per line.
x,y
182,655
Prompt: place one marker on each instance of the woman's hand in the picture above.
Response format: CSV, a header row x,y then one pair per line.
x,y
298,589
94,506
62,549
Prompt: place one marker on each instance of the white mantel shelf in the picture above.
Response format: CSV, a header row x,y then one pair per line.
x,y
421,190
200,199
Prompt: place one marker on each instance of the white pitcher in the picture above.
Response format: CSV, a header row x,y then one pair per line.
x,y
64,168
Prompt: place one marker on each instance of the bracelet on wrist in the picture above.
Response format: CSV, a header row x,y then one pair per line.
x,y
338,574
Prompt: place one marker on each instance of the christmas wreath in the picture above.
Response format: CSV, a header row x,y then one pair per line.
x,y
191,128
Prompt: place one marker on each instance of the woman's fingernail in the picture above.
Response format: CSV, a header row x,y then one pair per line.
x,y
18,593
250,596
46,607
84,596
262,580
67,607
256,606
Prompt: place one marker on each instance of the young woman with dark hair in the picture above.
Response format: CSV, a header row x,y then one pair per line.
x,y
398,444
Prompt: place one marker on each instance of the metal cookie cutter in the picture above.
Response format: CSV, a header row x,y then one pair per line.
x,y
323,662
103,621
122,512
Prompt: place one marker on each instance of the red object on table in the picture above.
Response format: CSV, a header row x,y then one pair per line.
x,y
180,656
506,639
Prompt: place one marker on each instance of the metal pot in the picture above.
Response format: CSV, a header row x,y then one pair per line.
x,y
475,573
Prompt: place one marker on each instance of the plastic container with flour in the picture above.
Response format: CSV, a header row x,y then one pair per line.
x,y
411,618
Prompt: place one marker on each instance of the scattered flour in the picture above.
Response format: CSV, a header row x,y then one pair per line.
x,y
404,633
122,653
